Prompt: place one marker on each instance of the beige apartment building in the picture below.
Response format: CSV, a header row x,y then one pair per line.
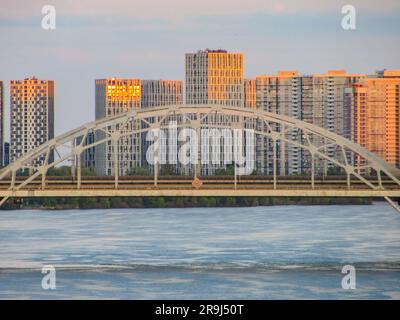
x,y
214,77
320,99
117,95
156,93
331,110
281,94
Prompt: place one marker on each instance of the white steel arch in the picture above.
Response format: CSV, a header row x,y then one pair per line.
x,y
267,124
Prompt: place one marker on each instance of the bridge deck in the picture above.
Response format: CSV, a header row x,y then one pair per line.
x,y
228,191
133,187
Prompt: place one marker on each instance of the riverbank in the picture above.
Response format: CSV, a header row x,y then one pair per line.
x,y
173,202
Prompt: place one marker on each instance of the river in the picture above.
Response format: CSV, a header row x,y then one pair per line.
x,y
277,252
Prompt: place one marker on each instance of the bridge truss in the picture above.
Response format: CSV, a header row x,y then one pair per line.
x,y
273,133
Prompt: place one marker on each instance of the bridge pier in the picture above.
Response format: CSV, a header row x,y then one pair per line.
x,y
73,167
116,161
282,170
312,171
43,181
274,161
156,158
78,171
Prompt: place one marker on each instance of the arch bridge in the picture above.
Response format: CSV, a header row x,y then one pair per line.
x,y
278,139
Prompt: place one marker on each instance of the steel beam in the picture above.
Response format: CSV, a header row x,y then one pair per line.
x,y
202,192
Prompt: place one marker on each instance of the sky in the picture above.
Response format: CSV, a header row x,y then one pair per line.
x,y
148,39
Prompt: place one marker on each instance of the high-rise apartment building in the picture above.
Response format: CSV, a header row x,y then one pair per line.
x,y
281,94
330,108
376,115
32,115
157,93
214,77
115,96
1,124
320,99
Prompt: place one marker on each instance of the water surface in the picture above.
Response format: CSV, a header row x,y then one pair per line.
x,y
281,252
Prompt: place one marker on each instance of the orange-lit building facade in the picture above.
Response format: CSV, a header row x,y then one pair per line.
x,y
115,96
250,97
214,77
376,115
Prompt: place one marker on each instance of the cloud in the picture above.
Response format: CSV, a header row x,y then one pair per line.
x,y
181,9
